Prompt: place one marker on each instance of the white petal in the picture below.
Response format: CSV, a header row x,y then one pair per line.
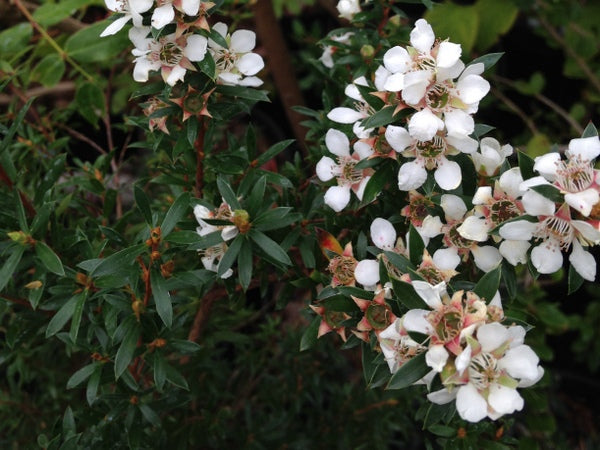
x,y
462,361
474,228
397,59
201,212
415,85
398,138
229,232
482,195
383,234
446,258
524,383
115,26
583,201
586,148
471,406
472,88
586,230
242,41
367,272
177,74
337,142
344,115
381,76
250,64
429,293
362,149
251,82
448,175
360,190
459,123
519,230
416,320
431,227
448,54
546,258
421,36
510,181
504,400
411,176
487,257
520,362
196,47
491,336
142,67
230,78
583,262
190,7
137,35
337,197
547,165
515,252
394,82
442,396
465,144
424,125
436,357
140,6
163,15
454,207
537,205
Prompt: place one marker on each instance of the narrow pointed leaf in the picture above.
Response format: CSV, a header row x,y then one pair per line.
x,y
10,265
175,213
127,348
245,264
162,298
270,247
228,194
77,314
488,285
230,256
49,259
410,372
143,203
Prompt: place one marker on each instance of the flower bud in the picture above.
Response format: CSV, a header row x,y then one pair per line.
x,y
19,236
367,51
241,219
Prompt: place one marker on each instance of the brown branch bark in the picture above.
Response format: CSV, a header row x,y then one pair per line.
x,y
280,66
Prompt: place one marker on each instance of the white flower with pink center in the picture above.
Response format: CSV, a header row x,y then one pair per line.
x,y
397,346
172,55
129,10
343,169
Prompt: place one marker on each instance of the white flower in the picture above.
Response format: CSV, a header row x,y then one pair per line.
x,y
202,213
211,257
172,56
397,346
348,8
327,57
164,14
348,178
130,10
490,156
236,64
355,115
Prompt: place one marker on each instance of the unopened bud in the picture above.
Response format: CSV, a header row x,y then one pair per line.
x,y
367,51
34,285
19,237
241,219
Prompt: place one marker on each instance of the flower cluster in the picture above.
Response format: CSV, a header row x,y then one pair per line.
x,y
182,40
466,211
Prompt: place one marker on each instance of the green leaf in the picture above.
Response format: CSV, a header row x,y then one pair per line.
x,y
160,372
575,280
208,66
127,348
91,392
459,24
49,70
549,191
245,264
118,262
526,165
230,255
406,294
77,314
62,316
20,210
175,213
275,218
382,117
15,39
10,265
184,237
416,246
86,45
175,378
256,197
81,375
488,62
143,203
495,19
243,92
590,131
228,194
509,276
162,298
273,151
48,258
52,13
68,423
309,337
401,262
89,99
410,372
488,285
269,246
377,183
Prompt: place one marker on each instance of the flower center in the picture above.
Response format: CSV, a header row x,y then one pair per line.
x,y
483,371
431,150
437,97
334,318
348,174
454,238
225,59
574,175
447,322
554,227
403,350
502,210
168,53
342,268
378,316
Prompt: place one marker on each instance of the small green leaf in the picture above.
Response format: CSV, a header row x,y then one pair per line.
x,y
381,118
549,191
243,92
228,194
257,196
143,203
590,131
162,298
377,183
175,213
77,314
175,378
230,255
160,373
406,294
488,285
575,280
275,218
81,375
269,246
62,316
14,39
91,392
10,265
184,237
488,61
416,246
49,70
118,262
89,99
309,338
526,165
49,259
245,264
87,46
68,424
410,372
273,151
127,348
401,262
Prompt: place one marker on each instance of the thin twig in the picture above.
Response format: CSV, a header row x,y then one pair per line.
x,y
199,146
514,108
83,138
